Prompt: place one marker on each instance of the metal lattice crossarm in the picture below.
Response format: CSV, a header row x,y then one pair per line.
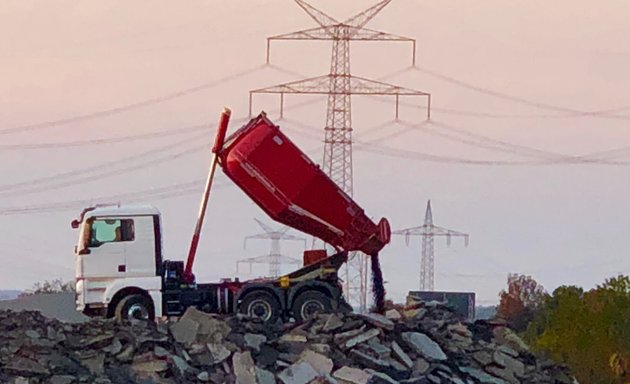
x,y
342,31
321,85
428,231
320,33
274,258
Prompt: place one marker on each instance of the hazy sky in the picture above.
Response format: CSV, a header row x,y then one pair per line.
x,y
562,223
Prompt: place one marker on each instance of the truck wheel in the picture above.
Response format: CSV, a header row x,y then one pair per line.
x,y
260,304
135,307
309,304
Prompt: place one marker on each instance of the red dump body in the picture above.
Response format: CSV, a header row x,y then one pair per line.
x,y
294,191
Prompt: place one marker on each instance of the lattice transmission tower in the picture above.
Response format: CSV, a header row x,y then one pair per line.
x,y
275,258
339,85
429,232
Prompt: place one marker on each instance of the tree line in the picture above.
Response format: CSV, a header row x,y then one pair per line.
x,y
589,331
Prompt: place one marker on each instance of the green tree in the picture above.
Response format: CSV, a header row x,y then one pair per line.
x,y
588,331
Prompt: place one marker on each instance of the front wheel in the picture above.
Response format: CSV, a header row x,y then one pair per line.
x,y
262,305
136,307
309,304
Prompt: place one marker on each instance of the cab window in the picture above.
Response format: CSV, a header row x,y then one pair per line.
x,y
110,231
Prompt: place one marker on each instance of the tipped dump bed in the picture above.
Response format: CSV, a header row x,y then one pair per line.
x,y
294,191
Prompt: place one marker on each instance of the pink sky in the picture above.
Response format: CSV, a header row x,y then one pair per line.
x,y
564,224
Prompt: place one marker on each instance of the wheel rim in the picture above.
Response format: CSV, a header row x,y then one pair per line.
x,y
137,311
311,308
260,309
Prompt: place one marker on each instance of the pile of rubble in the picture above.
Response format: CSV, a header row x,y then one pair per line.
x,y
424,343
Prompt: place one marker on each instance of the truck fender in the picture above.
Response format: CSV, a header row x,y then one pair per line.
x,y
124,287
328,289
250,287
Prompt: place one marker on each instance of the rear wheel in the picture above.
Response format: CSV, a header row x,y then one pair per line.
x,y
262,305
309,304
136,307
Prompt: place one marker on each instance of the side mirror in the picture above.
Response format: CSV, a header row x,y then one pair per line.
x,y
75,224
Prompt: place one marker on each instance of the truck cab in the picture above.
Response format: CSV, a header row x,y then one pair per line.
x,y
119,253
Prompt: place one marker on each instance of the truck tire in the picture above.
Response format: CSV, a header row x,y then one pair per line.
x,y
261,304
309,304
134,307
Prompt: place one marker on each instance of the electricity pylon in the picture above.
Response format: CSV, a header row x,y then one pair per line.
x,y
428,232
339,85
275,258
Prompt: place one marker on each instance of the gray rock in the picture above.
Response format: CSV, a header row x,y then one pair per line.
x,y
160,352
20,366
503,373
323,349
293,338
380,349
393,314
332,323
322,364
181,365
343,336
185,331
507,350
401,355
96,364
100,341
420,366
509,363
351,375
369,361
209,328
481,376
423,345
114,348
254,340
264,376
267,355
126,354
361,338
482,357
299,373
219,352
62,379
379,321
203,376
32,334
379,378
153,366
244,368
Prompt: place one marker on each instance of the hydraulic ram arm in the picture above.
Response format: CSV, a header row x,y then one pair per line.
x,y
189,277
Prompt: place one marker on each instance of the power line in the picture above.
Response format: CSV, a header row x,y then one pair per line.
x,y
109,164
568,111
111,172
130,106
109,140
173,190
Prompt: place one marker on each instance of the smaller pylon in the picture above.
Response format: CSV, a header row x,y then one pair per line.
x,y
275,258
428,231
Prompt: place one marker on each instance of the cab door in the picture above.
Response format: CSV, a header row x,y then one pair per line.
x,y
105,256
